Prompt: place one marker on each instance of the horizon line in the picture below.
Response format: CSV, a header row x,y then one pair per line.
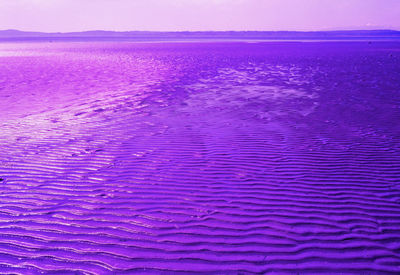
x,y
196,31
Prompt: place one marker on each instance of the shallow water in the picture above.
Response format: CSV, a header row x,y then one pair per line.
x,y
205,157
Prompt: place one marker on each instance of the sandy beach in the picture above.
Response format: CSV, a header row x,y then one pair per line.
x,y
221,158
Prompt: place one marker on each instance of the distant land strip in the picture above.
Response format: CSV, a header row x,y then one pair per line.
x,y
204,35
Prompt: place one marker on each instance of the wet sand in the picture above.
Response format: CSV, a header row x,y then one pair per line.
x,y
221,158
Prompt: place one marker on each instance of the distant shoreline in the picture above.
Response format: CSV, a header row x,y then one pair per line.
x,y
251,36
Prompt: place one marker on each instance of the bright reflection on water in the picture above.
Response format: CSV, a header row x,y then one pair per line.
x,y
208,157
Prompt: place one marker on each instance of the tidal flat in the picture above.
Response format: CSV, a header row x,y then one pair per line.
x,y
214,158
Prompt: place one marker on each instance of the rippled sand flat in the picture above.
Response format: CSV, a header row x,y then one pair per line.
x,y
220,158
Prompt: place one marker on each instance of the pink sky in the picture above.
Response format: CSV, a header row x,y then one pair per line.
x,y
169,15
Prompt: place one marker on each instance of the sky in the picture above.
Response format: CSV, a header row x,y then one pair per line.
x,y
198,15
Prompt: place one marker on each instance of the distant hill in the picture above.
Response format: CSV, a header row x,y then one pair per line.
x,y
219,35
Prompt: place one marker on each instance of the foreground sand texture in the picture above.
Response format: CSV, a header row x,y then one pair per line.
x,y
221,158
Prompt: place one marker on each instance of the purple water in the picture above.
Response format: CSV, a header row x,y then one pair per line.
x,y
221,158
